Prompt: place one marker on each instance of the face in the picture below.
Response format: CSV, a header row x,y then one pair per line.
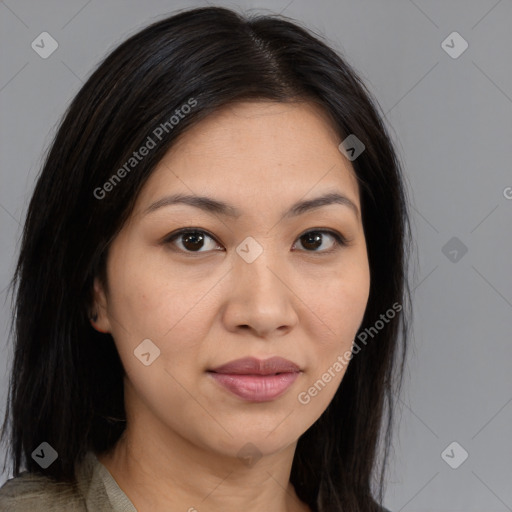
x,y
255,279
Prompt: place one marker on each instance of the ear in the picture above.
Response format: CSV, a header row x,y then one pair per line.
x,y
99,317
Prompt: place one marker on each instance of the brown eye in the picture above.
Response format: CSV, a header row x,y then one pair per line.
x,y
192,241
313,240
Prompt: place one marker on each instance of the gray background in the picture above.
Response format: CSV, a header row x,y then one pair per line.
x,y
451,120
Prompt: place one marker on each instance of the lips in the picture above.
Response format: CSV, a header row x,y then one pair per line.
x,y
256,380
253,366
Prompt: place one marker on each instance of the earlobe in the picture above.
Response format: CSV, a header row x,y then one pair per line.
x,y
95,325
98,315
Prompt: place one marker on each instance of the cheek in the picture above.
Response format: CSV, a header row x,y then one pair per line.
x,y
340,304
151,303
148,299
340,300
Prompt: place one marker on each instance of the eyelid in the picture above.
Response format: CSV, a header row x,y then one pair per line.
x,y
168,239
340,239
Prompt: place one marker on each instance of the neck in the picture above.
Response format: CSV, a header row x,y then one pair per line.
x,y
167,472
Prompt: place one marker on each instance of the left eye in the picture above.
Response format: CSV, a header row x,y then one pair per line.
x,y
193,240
315,239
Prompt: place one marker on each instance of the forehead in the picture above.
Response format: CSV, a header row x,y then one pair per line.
x,y
255,150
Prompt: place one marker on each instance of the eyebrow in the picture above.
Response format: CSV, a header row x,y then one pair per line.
x,y
214,206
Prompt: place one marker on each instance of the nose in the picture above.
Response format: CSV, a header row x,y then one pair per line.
x,y
260,298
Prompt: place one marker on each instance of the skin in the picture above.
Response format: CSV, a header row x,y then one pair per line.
x,y
203,309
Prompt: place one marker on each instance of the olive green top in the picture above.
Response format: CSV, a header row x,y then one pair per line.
x,y
96,491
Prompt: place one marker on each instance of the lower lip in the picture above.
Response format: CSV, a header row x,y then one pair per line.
x,y
256,388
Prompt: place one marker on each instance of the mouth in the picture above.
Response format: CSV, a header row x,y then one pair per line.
x,y
256,380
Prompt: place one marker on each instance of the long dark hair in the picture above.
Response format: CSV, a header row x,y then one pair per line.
x,y
205,58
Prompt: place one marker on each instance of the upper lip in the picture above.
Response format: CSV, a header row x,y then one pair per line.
x,y
253,366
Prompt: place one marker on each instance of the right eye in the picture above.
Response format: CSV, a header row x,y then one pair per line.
x,y
191,240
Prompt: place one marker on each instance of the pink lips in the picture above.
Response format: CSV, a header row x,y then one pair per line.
x,y
257,380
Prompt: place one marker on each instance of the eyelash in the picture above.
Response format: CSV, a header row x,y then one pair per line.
x,y
339,240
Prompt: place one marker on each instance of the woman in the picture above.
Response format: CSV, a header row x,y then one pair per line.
x,y
211,290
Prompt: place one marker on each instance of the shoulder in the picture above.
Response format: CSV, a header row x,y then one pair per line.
x,y
29,492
